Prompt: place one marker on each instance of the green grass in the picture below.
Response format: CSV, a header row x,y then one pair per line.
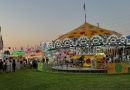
x,y
33,80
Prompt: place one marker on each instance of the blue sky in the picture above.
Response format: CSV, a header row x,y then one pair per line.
x,y
29,22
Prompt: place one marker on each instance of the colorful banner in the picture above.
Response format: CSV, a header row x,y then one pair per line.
x,y
117,68
40,66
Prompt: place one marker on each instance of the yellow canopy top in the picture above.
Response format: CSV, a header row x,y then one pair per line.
x,y
87,30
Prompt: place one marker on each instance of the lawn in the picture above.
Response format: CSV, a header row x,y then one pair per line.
x,y
26,79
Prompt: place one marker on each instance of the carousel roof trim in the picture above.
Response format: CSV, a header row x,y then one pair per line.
x,y
96,40
128,37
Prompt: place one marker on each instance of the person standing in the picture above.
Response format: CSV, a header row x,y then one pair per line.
x,y
31,64
44,64
1,65
14,65
8,65
18,64
35,64
4,66
47,60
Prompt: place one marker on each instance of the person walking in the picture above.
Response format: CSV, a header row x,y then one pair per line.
x,y
14,65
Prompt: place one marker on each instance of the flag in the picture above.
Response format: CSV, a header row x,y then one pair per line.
x,y
1,40
84,7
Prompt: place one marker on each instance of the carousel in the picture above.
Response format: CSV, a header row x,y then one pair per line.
x,y
89,47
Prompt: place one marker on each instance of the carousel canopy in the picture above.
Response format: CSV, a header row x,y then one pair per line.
x,y
88,30
89,35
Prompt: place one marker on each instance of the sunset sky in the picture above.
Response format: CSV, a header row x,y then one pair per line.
x,y
29,22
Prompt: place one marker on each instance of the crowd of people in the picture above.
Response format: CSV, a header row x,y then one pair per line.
x,y
7,65
11,64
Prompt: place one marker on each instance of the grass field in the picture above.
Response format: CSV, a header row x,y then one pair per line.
x,y
33,80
